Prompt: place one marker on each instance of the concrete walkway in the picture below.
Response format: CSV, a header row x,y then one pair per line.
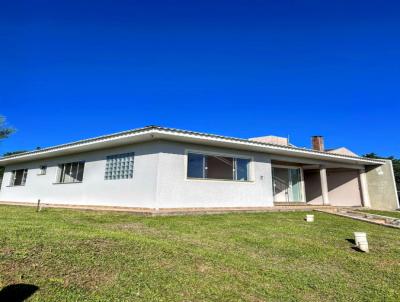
x,y
366,217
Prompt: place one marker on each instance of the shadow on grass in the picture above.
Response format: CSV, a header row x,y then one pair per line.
x,y
354,248
357,249
17,292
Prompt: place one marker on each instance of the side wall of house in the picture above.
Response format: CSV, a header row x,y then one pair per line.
x,y
138,191
382,188
176,191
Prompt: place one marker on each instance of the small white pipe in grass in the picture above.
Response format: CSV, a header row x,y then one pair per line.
x,y
363,246
39,207
310,218
359,237
361,241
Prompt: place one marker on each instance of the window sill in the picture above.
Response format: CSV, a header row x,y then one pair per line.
x,y
67,183
41,174
15,186
220,180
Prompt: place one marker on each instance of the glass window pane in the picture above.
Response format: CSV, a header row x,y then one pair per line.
x,y
219,167
81,167
195,167
24,174
295,181
242,168
18,177
68,173
71,172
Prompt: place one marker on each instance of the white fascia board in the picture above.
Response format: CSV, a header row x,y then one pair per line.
x,y
81,146
220,141
154,132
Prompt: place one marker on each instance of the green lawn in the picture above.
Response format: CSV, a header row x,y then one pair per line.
x,y
395,214
102,256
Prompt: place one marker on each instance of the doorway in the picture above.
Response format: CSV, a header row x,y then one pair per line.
x,y
287,184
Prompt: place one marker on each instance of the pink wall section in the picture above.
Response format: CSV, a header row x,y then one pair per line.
x,y
343,185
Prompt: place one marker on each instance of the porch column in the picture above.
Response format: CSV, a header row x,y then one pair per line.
x,y
364,189
324,185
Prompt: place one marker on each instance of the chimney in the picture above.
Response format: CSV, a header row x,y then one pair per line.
x,y
318,142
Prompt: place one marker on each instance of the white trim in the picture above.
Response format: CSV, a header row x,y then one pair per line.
x,y
154,132
268,148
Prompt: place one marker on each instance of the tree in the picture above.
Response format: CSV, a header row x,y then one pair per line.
x,y
13,153
5,131
396,166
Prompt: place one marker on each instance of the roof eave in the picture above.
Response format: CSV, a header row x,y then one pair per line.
x,y
154,132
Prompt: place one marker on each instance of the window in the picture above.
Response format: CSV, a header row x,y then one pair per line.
x,y
42,170
217,167
18,177
71,172
195,165
242,169
119,166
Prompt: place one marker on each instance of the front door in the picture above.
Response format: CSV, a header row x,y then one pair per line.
x,y
287,184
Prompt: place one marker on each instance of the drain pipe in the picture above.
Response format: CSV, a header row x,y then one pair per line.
x,y
38,207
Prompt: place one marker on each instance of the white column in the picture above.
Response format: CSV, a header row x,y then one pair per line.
x,y
324,185
364,189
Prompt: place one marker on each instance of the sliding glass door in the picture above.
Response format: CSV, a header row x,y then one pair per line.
x,y
287,184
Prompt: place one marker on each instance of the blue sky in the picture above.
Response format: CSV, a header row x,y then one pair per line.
x,y
72,70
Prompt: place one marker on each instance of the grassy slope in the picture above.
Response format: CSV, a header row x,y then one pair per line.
x,y
100,256
395,214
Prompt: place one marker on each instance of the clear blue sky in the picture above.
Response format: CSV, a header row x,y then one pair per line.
x,y
73,70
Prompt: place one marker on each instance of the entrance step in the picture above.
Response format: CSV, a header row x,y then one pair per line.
x,y
290,203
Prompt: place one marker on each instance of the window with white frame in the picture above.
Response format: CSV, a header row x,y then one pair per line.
x,y
205,166
119,166
18,177
42,170
71,172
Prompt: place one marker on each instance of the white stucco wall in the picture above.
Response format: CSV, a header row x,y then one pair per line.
x,y
159,181
93,190
176,191
382,187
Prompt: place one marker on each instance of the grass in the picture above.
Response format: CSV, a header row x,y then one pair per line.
x,y
102,256
394,214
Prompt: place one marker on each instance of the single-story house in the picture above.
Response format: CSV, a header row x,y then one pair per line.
x,y
156,168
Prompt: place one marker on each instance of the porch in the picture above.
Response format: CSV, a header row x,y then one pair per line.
x,y
329,184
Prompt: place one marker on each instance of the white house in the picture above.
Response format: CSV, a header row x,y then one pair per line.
x,y
155,167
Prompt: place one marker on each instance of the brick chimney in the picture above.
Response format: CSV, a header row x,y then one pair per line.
x,y
318,143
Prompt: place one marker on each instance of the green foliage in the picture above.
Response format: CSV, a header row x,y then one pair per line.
x,y
14,152
5,131
396,166
87,256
